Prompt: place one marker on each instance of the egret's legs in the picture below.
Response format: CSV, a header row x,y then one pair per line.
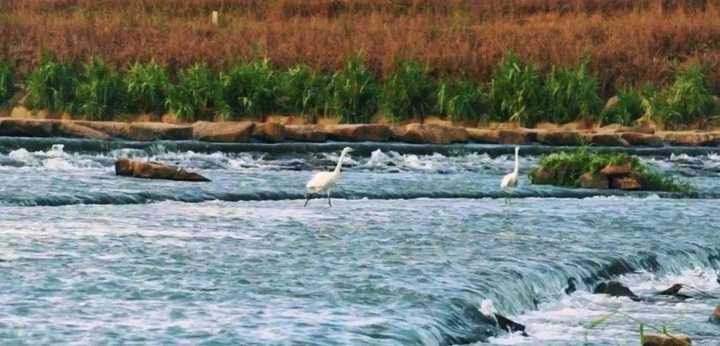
x,y
307,199
328,196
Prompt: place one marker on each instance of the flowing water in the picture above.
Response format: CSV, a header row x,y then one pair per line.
x,y
418,238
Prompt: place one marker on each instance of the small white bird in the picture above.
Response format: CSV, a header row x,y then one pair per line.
x,y
510,181
325,181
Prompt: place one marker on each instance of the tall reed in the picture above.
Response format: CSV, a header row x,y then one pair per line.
x,y
147,87
409,92
462,100
52,85
354,93
7,84
304,91
517,92
101,92
572,95
248,90
196,94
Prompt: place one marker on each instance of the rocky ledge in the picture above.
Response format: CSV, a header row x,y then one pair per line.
x,y
421,133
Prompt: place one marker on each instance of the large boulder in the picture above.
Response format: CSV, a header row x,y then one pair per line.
x,y
615,289
562,138
269,132
71,129
223,131
17,127
305,133
608,140
690,138
358,132
483,135
666,340
642,139
422,133
625,183
112,128
154,170
594,181
617,170
542,176
146,131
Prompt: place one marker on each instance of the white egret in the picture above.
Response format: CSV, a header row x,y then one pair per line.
x,y
510,181
325,181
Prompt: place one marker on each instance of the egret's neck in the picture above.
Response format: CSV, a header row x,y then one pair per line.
x,y
339,164
516,162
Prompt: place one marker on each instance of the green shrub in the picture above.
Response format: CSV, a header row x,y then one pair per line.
x,y
101,92
572,95
517,93
687,100
354,93
7,86
461,100
147,87
195,95
409,92
626,111
248,90
52,86
303,91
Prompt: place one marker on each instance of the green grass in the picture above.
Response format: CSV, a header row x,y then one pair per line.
x,y
248,90
565,169
626,111
52,85
517,93
354,93
101,92
572,95
304,91
147,87
409,92
195,95
461,100
7,85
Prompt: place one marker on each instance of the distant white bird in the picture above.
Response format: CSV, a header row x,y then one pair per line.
x,y
325,181
510,181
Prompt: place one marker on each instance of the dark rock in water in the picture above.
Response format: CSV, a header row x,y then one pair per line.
x,y
571,286
666,340
505,323
154,170
615,289
674,291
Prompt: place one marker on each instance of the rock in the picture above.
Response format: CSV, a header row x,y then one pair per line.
x,y
223,131
515,137
71,129
483,135
154,170
21,112
648,130
674,289
716,314
305,133
688,138
666,340
594,181
636,138
421,133
541,176
567,138
625,183
16,127
617,170
570,289
269,132
113,128
505,323
155,131
608,139
615,289
358,132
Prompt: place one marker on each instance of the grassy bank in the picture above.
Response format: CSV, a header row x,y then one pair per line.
x,y
517,92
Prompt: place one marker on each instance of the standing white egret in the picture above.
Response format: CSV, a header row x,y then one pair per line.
x,y
325,181
510,181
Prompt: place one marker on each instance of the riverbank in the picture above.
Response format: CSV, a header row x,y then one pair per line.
x,y
21,123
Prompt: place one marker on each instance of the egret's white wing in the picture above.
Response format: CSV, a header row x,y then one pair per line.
x,y
320,181
509,180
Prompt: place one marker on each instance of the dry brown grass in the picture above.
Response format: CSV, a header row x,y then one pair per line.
x,y
629,41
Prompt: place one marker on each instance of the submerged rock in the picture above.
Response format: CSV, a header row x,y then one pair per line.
x,y
674,291
154,170
666,340
615,289
570,289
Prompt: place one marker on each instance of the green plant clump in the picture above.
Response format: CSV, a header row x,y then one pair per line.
x,y
628,109
686,101
354,93
101,92
409,92
195,95
304,91
461,100
147,87
517,93
572,95
566,168
52,85
248,90
7,86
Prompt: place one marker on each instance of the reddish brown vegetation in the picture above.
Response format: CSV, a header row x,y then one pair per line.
x,y
629,41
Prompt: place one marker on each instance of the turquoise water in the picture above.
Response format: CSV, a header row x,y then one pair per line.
x,y
417,239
